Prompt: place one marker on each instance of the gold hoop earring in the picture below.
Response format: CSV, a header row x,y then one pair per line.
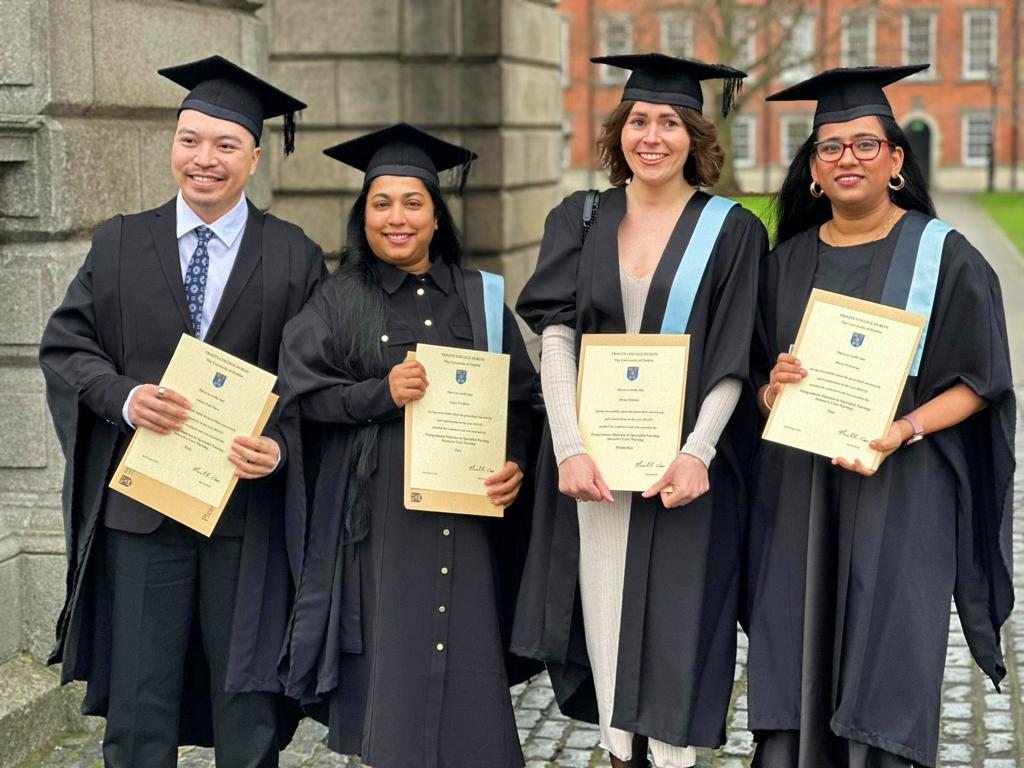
x,y
900,184
816,190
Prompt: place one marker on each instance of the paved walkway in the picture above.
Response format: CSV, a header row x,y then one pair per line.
x,y
980,727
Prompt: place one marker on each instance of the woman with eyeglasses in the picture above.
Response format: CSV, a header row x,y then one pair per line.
x,y
851,571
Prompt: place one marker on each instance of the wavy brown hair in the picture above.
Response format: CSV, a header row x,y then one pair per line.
x,y
701,169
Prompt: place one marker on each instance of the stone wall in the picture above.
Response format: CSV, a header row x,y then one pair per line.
x,y
85,132
483,73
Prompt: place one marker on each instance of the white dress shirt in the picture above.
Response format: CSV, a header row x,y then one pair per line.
x,y
222,248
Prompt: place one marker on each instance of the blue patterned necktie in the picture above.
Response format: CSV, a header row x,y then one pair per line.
x,y
195,279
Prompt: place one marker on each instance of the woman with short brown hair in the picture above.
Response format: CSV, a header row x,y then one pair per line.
x,y
649,651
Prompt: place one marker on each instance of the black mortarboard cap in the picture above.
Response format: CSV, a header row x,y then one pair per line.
x,y
661,79
847,93
403,150
221,89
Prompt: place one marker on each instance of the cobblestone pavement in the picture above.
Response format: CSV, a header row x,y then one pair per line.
x,y
981,728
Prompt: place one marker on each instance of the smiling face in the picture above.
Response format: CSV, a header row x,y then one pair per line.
x,y
655,143
212,159
400,222
849,182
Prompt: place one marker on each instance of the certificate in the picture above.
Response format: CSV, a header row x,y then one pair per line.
x,y
455,434
186,474
857,355
630,395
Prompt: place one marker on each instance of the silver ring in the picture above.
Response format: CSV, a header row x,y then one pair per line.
x,y
161,391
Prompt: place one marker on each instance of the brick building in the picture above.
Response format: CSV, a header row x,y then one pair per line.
x,y
949,111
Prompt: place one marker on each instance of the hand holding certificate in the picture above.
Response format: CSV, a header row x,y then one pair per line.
x,y
857,355
630,395
186,474
455,434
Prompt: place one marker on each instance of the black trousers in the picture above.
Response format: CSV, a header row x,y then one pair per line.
x,y
159,582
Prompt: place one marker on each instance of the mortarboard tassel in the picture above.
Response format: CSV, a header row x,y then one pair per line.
x,y
730,88
463,175
289,133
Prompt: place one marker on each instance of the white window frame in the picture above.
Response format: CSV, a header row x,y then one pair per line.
x,y
967,159
566,54
785,157
802,71
932,17
750,160
684,19
611,74
970,73
848,19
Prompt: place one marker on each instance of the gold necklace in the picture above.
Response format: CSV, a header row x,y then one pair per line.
x,y
878,234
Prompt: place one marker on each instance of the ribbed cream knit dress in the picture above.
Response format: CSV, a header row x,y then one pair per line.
x,y
604,527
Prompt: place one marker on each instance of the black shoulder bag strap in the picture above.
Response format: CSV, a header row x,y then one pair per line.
x,y
590,205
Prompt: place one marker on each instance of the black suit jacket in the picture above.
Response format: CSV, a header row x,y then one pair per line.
x,y
117,327
153,317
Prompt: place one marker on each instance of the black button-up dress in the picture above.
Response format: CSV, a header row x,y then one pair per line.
x,y
419,678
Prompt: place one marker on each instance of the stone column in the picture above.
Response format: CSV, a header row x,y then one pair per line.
x,y
484,73
85,133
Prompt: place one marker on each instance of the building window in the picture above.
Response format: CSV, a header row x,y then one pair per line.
x,y
616,40
566,71
977,136
799,43
919,41
979,44
795,131
744,41
858,40
743,141
677,34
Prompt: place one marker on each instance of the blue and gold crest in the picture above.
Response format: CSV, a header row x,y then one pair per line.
x,y
857,339
461,376
219,379
633,372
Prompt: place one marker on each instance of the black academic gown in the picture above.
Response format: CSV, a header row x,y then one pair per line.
x,y
118,327
850,578
681,595
397,641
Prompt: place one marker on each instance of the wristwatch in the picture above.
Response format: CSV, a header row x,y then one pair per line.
x,y
916,426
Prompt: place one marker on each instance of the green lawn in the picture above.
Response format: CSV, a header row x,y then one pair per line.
x,y
1007,208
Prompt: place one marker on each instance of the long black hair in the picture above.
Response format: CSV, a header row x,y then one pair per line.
x,y
793,209
446,244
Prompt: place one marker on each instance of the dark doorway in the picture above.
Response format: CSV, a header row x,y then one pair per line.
x,y
920,137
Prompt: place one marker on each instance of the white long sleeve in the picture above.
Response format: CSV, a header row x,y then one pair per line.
x,y
558,381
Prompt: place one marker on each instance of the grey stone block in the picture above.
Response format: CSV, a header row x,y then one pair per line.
x,y
531,95
531,32
515,157
71,74
481,28
43,585
314,83
161,35
429,93
34,709
430,27
368,94
500,221
321,216
313,26
16,60
23,420
309,170
21,320
100,163
10,595
155,140
480,95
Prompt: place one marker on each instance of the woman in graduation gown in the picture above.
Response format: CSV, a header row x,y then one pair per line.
x,y
397,637
632,598
852,571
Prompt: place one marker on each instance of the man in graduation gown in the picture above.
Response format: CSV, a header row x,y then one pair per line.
x,y
177,635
